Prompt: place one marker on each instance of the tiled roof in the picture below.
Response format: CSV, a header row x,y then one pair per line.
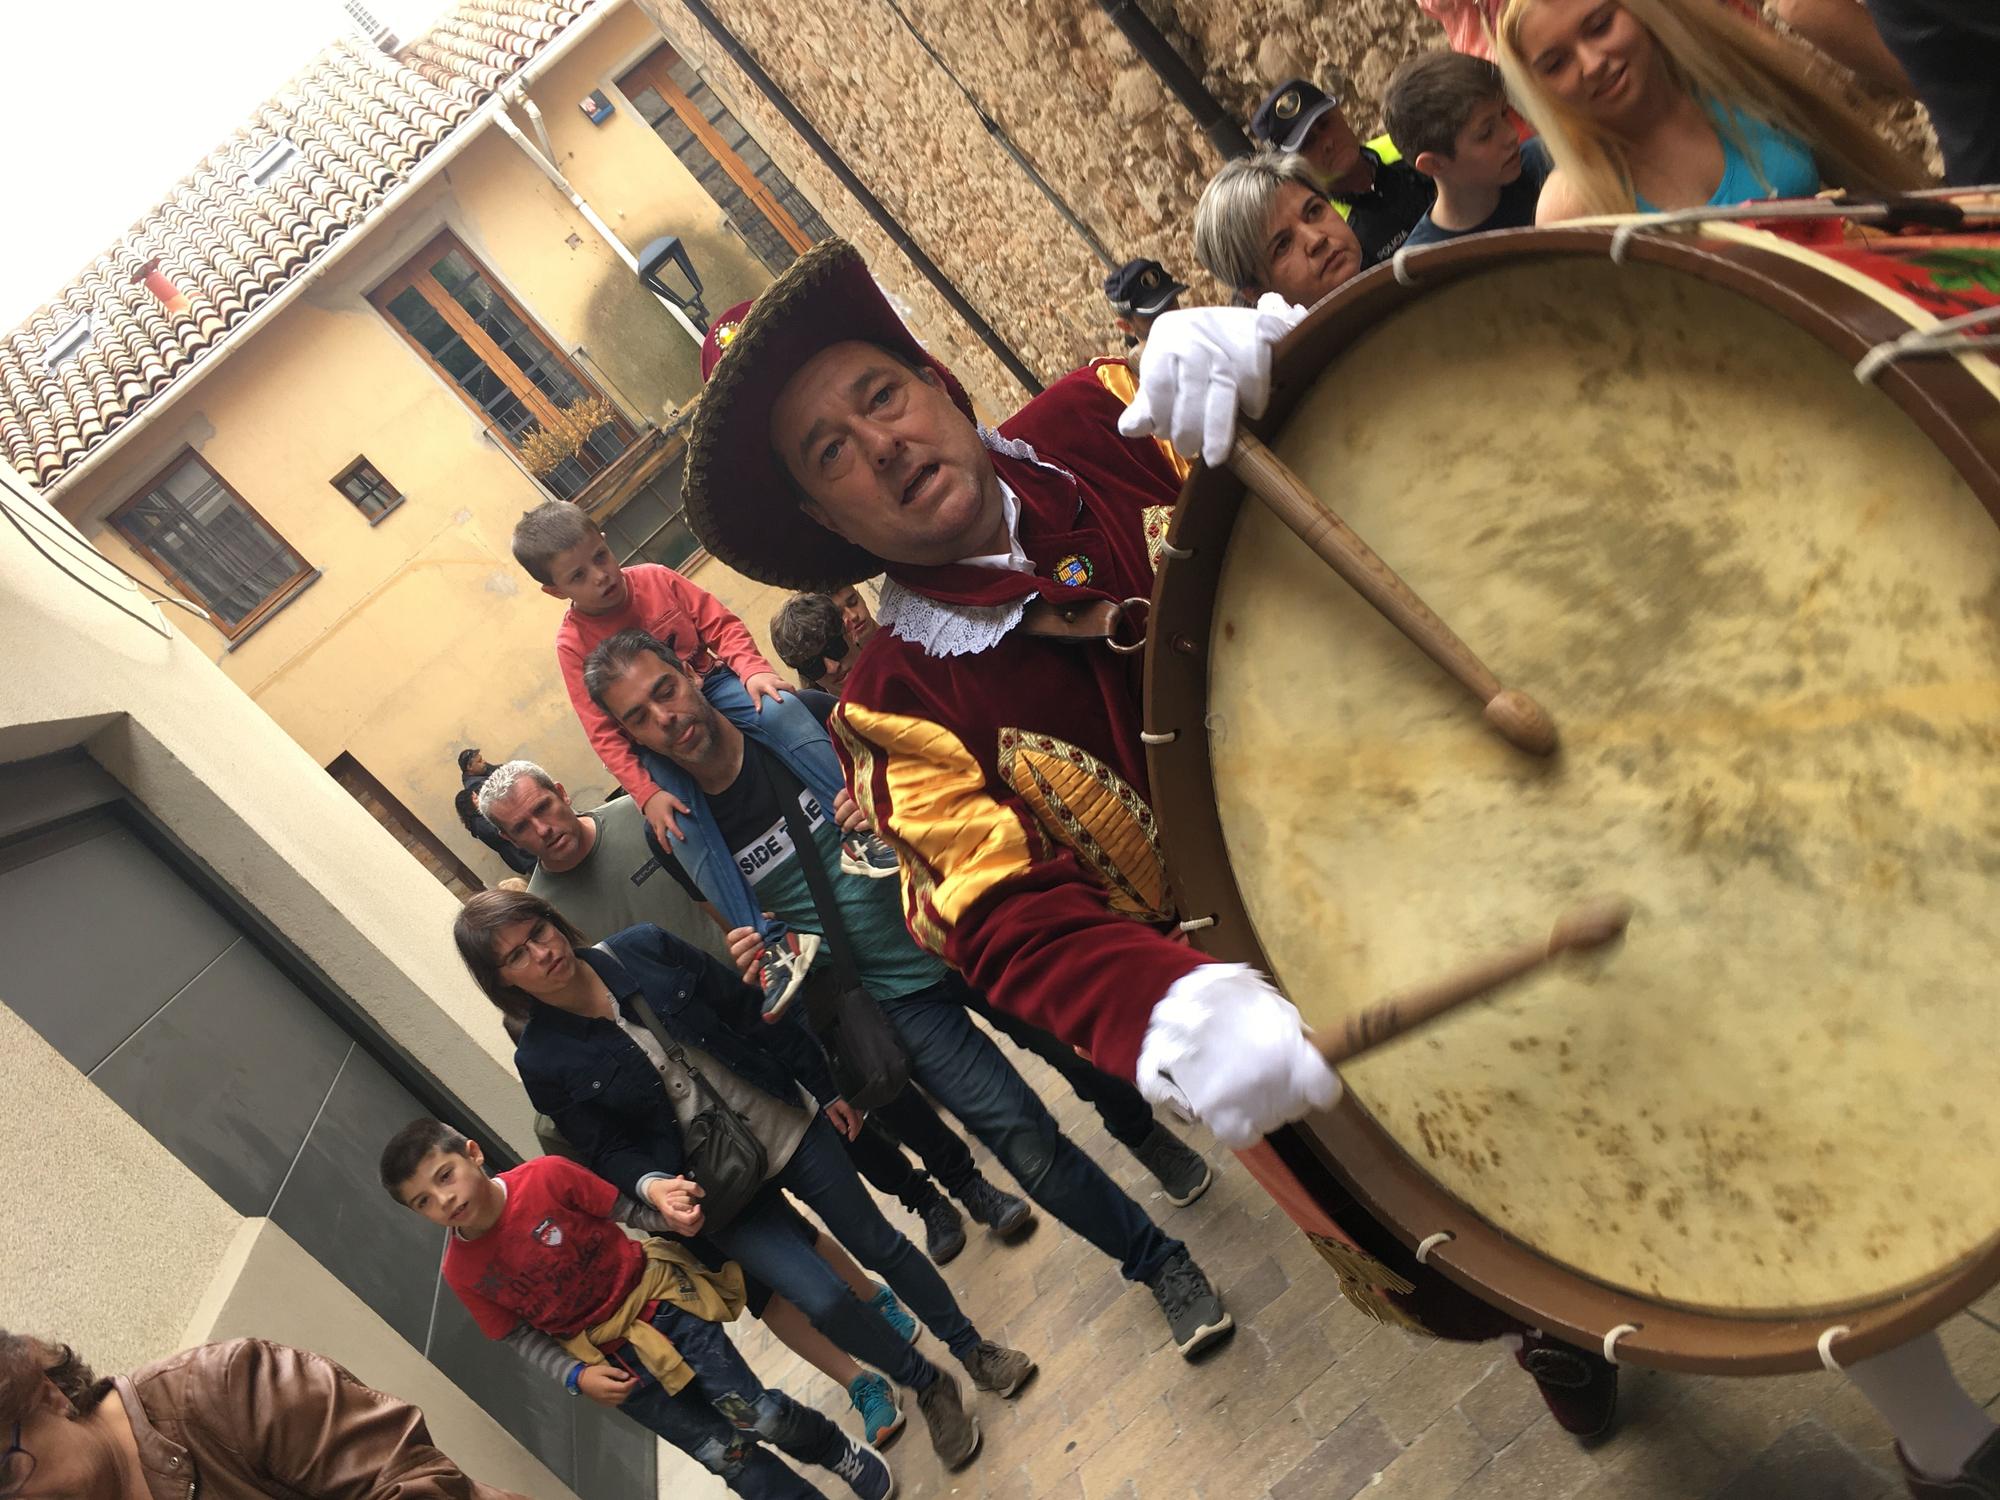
x,y
361,120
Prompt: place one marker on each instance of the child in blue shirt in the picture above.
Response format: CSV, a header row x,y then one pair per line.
x,y
1449,111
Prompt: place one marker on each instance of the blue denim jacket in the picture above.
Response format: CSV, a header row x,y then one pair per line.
x,y
601,1090
796,733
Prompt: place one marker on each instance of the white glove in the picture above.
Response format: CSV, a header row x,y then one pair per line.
x,y
1232,1051
1201,364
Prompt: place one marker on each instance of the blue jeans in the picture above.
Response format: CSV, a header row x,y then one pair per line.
x,y
1127,1117
785,724
727,1443
961,1067
821,1177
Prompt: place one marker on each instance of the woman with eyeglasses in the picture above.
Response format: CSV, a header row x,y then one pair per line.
x,y
233,1421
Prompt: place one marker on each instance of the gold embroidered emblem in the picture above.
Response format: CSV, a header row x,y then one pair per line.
x,y
1155,520
1096,813
1288,105
1365,1282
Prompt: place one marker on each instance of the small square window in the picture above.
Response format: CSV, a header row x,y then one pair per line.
x,y
362,483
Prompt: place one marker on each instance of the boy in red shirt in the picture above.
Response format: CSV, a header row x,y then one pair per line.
x,y
563,550
538,1259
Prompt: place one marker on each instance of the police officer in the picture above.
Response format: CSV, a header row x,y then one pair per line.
x,y
1139,291
1379,194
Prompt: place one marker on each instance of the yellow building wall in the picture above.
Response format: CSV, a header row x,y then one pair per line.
x,y
421,634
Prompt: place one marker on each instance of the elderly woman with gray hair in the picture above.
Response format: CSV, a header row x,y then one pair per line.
x,y
1264,226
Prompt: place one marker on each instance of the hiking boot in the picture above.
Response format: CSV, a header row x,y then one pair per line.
x,y
944,1230
862,1467
1580,1386
866,855
954,1430
786,960
1003,1213
893,1313
881,1414
1183,1175
1978,1480
996,1368
1195,1316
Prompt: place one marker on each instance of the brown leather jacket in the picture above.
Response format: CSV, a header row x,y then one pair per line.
x,y
250,1420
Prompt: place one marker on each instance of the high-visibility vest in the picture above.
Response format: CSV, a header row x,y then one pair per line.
x,y
1385,149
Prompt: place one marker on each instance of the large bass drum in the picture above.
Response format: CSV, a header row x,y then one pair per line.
x,y
1760,599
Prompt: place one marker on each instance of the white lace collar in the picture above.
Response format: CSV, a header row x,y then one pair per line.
x,y
943,629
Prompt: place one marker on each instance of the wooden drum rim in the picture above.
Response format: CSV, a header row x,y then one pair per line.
x,y
1946,402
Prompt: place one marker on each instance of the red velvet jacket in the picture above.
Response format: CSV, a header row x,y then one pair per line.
x,y
1012,780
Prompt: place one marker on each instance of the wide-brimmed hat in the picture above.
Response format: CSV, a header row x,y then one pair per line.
x,y
740,501
1288,112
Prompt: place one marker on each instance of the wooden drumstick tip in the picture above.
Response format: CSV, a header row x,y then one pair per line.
x,y
1522,722
1591,925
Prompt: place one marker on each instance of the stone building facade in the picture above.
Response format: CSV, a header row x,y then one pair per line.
x,y
903,91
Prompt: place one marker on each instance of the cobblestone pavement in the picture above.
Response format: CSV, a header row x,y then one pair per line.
x,y
1312,1401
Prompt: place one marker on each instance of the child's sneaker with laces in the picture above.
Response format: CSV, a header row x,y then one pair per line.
x,y
786,960
875,1399
865,1472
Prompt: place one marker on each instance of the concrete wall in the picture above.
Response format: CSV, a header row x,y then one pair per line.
x,y
112,1243
267,1287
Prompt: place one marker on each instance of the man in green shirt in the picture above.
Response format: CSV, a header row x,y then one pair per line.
x,y
740,830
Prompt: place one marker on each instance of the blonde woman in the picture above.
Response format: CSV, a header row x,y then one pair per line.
x,y
1649,105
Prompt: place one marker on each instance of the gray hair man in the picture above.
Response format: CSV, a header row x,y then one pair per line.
x,y
596,867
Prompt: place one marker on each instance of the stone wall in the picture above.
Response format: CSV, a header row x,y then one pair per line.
x,y
915,96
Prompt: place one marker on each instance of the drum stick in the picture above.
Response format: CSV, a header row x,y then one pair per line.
x,y
1516,717
1591,925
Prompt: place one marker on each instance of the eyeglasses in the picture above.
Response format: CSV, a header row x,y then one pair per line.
x,y
17,1466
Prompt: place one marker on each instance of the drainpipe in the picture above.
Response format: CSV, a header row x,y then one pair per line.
x,y
873,206
442,155
1006,143
1181,81
577,201
535,120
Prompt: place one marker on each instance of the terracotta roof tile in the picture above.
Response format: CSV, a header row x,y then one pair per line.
x,y
361,121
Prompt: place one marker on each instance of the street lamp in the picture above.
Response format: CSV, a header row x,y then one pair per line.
x,y
669,274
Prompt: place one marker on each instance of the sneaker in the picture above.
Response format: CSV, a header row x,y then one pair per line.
x,y
1182,1173
1003,1213
786,960
881,1415
893,1313
996,1368
866,855
862,1467
954,1430
1978,1480
1579,1385
944,1230
1195,1316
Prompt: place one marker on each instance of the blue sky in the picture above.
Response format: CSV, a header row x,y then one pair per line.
x,y
110,101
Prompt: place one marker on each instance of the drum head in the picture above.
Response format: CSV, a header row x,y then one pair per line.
x,y
1764,611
